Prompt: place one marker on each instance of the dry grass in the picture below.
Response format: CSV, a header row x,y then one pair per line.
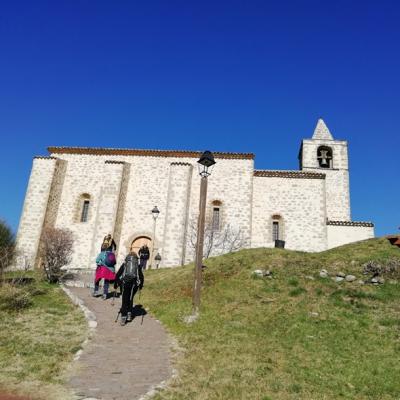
x,y
37,343
290,337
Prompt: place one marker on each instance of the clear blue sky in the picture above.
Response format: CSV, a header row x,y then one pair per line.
x,y
243,76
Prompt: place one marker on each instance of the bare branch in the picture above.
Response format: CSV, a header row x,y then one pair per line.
x,y
216,242
55,251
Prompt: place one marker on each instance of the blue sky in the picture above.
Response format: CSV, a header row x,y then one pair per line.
x,y
242,76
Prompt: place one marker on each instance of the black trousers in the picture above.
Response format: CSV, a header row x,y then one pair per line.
x,y
129,290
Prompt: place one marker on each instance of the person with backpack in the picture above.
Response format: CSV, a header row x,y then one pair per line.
x,y
108,244
144,255
130,278
105,270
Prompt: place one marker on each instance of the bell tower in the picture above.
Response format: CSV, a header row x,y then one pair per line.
x,y
323,154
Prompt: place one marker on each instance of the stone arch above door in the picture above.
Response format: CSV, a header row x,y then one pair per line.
x,y
139,241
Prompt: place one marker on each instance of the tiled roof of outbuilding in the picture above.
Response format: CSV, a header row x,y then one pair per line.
x,y
100,151
289,174
45,158
114,162
350,223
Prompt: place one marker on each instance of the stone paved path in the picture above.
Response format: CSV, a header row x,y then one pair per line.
x,y
120,362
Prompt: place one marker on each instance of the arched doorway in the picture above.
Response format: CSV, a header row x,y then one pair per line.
x,y
139,242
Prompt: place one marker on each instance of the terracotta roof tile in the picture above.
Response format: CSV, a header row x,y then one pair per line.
x,y
146,153
350,223
182,164
45,158
114,162
289,174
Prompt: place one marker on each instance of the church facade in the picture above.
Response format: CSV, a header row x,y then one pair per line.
x,y
96,191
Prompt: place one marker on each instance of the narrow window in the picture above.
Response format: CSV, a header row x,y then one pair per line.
x,y
215,219
85,211
275,230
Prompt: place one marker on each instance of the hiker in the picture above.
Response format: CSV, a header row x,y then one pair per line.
x,y
144,255
108,244
105,270
130,278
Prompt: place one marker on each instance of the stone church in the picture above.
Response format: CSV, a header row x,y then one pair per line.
x,y
96,191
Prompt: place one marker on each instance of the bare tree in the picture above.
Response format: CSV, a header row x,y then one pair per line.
x,y
6,257
7,248
232,239
55,252
216,242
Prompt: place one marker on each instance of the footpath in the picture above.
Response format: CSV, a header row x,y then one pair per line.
x,y
120,362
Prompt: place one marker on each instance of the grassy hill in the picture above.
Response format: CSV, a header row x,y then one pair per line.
x,y
40,331
294,336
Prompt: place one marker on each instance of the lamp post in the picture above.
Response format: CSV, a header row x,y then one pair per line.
x,y
157,259
155,212
205,164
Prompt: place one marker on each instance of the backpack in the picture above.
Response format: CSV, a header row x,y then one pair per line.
x,y
106,258
131,269
110,259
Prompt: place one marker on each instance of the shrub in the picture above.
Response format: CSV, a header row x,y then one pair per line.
x,y
6,235
13,298
390,268
7,247
56,252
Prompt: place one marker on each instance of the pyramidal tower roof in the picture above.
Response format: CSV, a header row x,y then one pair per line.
x,y
321,131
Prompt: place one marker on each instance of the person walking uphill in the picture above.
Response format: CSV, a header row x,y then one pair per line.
x,y
144,255
108,244
105,270
130,278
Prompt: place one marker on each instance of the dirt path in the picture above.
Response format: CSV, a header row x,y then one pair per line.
x,y
120,362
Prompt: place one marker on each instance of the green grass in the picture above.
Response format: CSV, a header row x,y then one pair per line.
x,y
289,337
38,342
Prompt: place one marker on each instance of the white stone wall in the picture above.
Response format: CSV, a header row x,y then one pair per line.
x,y
301,203
337,177
340,235
88,176
34,210
178,199
123,189
147,187
337,195
108,204
121,205
55,193
171,183
231,182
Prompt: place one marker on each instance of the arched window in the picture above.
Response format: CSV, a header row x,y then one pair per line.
x,y
84,207
277,227
324,156
216,215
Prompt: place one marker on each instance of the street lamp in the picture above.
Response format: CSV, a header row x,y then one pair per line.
x,y
157,259
155,212
205,163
